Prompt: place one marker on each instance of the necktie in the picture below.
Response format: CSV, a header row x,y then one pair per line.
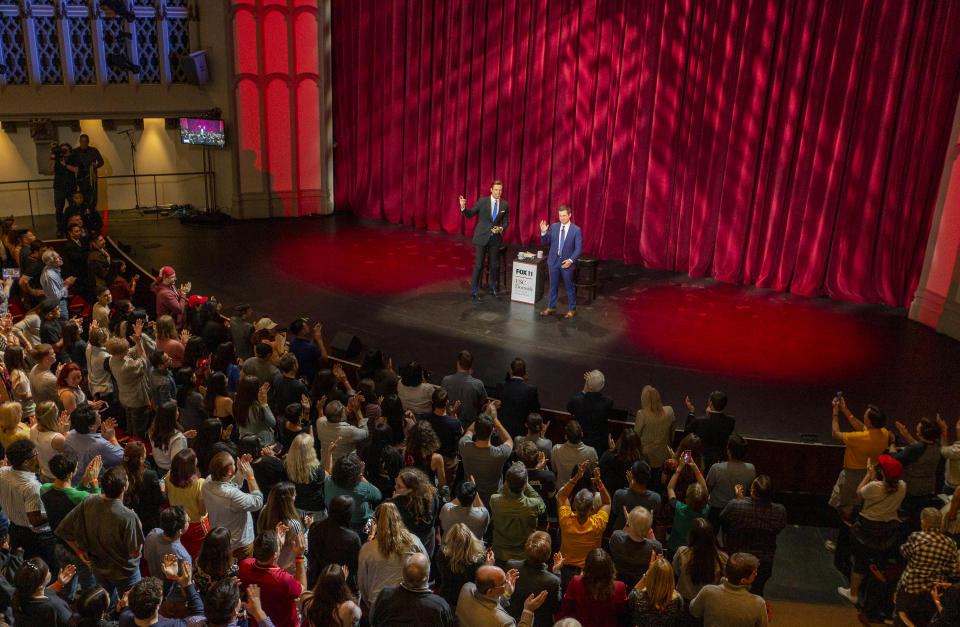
x,y
495,203
563,235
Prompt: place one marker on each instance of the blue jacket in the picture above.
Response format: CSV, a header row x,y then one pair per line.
x,y
572,243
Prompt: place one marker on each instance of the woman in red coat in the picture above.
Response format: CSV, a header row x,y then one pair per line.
x,y
595,597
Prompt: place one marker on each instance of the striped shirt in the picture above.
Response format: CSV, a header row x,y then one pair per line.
x,y
20,494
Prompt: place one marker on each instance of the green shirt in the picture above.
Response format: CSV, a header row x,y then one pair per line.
x,y
516,517
73,494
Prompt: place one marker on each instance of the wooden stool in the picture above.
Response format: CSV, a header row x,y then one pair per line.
x,y
586,276
485,276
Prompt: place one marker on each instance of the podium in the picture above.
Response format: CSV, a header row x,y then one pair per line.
x,y
527,280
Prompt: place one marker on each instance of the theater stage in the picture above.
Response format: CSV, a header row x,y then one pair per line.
x,y
780,357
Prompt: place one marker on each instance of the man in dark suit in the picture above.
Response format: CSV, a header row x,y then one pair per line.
x,y
518,399
493,217
714,428
566,243
592,409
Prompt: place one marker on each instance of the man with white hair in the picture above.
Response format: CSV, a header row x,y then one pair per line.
x,y
479,603
592,409
631,546
931,557
412,602
53,284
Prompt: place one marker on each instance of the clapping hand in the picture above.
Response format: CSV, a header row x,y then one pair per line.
x,y
66,574
490,559
281,530
463,203
738,490
108,428
262,393
541,461
557,562
511,581
533,603
252,604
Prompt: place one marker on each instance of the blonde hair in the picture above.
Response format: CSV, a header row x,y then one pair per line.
x,y
658,582
98,336
650,400
392,537
166,328
301,460
462,548
48,416
117,347
10,414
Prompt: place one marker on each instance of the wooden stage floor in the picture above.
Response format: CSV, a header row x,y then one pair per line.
x,y
780,358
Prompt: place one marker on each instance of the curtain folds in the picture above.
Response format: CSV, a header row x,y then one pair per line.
x,y
790,144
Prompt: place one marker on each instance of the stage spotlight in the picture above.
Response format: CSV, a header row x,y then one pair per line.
x,y
122,63
119,8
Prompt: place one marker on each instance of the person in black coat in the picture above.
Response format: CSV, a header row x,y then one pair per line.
x,y
412,602
331,541
714,428
518,399
592,409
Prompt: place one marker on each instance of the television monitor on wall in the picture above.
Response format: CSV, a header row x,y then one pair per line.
x,y
202,132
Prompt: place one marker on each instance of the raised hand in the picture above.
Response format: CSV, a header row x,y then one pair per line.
x,y
463,203
243,465
512,575
299,545
262,393
252,604
533,603
541,461
66,574
544,226
108,428
557,562
94,467
281,530
489,559
171,566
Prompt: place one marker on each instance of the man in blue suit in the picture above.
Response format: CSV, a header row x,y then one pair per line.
x,y
566,243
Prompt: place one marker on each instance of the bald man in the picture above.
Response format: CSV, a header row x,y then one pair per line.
x,y
479,603
411,603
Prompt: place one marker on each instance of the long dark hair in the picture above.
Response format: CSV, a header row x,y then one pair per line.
x,y
92,606
599,574
183,468
165,425
215,557
114,271
331,589
629,447
216,386
392,410
209,433
705,556
134,455
247,390
224,357
193,351
13,358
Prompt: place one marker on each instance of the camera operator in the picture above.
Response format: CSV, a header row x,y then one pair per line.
x,y
87,159
64,181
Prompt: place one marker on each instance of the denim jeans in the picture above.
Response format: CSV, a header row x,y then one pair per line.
x,y
117,588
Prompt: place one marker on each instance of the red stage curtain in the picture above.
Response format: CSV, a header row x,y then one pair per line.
x,y
790,144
